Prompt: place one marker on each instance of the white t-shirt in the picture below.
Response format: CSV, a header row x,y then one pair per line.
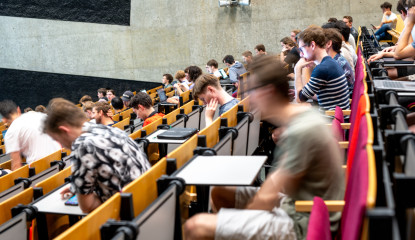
x,y
392,18
26,135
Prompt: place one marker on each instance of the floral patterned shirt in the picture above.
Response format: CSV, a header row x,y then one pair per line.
x,y
104,160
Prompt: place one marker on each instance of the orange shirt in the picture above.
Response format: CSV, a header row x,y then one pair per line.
x,y
153,118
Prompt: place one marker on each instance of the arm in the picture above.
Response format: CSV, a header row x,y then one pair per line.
x,y
404,48
88,202
268,196
299,83
379,56
16,160
232,75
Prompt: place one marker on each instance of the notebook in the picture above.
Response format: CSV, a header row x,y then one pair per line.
x,y
177,133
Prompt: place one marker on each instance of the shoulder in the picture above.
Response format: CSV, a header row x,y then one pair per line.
x,y
308,125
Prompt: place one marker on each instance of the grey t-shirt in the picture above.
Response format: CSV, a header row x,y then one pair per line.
x,y
307,147
225,107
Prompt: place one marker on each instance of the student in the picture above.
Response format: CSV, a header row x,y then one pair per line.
x,y
260,49
309,164
104,158
212,68
327,80
348,20
102,92
183,84
84,99
388,22
126,97
24,136
110,94
207,88
143,106
100,114
167,80
290,53
235,68
192,73
117,104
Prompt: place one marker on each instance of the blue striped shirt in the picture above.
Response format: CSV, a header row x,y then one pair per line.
x,y
330,85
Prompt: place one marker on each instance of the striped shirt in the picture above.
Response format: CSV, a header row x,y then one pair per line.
x,y
330,85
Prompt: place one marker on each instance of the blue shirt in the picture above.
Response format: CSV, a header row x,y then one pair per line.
x,y
348,71
225,107
329,83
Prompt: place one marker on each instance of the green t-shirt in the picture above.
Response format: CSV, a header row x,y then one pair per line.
x,y
307,147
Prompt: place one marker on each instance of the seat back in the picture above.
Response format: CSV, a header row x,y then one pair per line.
x,y
171,117
44,163
243,85
88,227
319,222
55,181
245,103
358,193
183,153
185,96
231,116
338,114
15,228
127,113
240,143
7,181
212,133
253,132
144,188
124,122
25,197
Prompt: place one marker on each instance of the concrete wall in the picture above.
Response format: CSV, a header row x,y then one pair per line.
x,y
165,36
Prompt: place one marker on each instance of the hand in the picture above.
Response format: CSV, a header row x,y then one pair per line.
x,y
66,193
389,49
211,108
302,63
375,57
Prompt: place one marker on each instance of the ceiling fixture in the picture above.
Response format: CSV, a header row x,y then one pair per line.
x,y
234,3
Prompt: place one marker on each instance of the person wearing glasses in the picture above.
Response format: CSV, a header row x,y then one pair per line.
x,y
327,81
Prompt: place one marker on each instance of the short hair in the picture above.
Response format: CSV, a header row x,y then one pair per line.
x,y
28,109
401,6
288,41
169,77
212,63
87,106
315,34
179,74
335,37
102,106
386,5
141,99
203,81
7,108
260,47
349,18
103,91
296,31
194,72
111,90
247,54
40,108
332,19
61,111
341,26
85,98
228,59
117,103
270,70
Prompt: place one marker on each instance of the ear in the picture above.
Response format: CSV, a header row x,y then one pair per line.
x,y
329,44
64,129
141,107
18,110
313,45
210,89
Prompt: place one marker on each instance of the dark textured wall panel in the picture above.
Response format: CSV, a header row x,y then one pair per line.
x,y
93,11
29,88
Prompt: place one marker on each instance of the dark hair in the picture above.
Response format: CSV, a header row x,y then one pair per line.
x,y
103,91
111,90
341,26
349,18
169,77
141,99
260,47
117,103
386,5
335,37
28,109
7,108
40,108
289,41
315,34
400,7
212,63
194,72
63,111
228,59
270,70
332,19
